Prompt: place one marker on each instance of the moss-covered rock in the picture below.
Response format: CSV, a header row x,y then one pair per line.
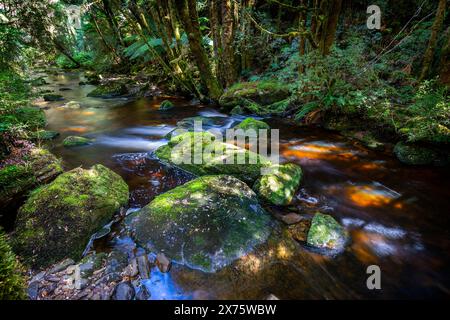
x,y
75,141
53,97
279,187
12,283
206,223
200,154
252,124
166,105
43,135
238,110
325,232
418,155
15,180
263,93
366,139
109,90
58,219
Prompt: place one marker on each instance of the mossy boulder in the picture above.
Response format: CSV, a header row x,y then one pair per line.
x,y
238,110
109,90
279,187
75,141
325,232
253,124
366,139
166,105
43,135
53,97
260,97
201,154
12,282
15,180
58,219
411,154
205,224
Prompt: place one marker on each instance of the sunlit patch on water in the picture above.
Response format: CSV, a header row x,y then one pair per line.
x,y
319,150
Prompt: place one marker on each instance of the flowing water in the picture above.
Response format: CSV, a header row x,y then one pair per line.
x,y
397,216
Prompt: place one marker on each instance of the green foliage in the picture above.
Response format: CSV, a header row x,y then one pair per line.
x,y
143,48
12,283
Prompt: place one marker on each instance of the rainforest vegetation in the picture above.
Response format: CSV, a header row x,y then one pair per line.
x,y
325,65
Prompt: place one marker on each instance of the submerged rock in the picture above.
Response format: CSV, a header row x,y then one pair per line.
x,y
75,141
124,291
53,97
280,186
166,105
188,149
325,232
109,90
417,155
58,219
366,139
206,223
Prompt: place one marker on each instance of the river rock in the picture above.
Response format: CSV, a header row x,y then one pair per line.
x,y
109,90
188,145
166,105
279,187
412,154
325,232
53,97
58,219
61,266
260,97
75,141
163,263
143,293
205,224
124,291
15,180
143,266
252,124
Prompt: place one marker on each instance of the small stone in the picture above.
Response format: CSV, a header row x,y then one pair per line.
x,y
81,284
33,290
143,266
163,263
290,218
70,269
272,297
124,291
62,265
132,269
38,277
143,293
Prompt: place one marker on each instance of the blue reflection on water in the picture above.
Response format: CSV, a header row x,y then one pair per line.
x,y
162,287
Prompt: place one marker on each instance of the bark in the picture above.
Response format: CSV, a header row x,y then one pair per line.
x,y
429,53
189,17
444,65
228,32
329,30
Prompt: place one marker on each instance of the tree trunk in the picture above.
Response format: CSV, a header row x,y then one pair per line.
x,y
329,28
429,53
444,65
228,30
189,17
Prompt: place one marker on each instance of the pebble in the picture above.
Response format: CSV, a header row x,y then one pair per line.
x,y
163,262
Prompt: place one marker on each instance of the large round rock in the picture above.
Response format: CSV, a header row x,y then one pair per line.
x,y
205,224
58,219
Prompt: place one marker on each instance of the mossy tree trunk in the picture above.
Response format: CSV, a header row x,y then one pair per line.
x,y
329,27
437,26
187,12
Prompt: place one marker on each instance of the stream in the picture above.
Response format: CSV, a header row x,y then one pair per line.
x,y
397,216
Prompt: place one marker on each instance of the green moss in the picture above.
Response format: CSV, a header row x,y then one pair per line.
x,y
325,232
12,282
58,219
252,124
216,157
279,187
74,141
32,117
166,105
261,93
205,223
417,155
109,90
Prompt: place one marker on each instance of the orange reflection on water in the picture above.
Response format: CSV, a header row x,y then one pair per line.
x,y
317,151
75,129
361,246
366,196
